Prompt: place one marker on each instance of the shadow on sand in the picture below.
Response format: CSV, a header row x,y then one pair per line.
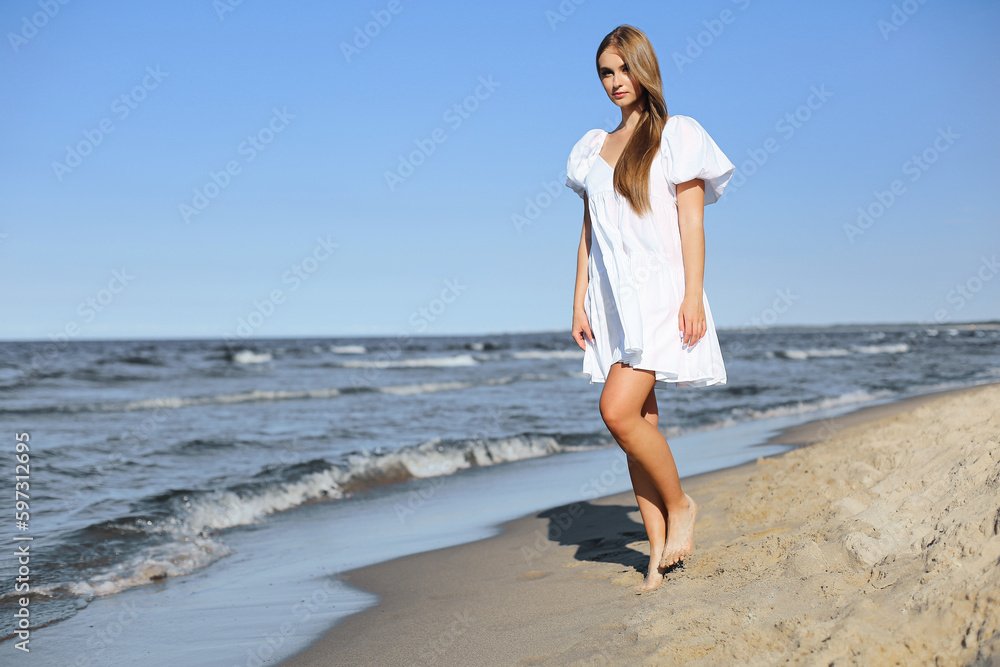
x,y
600,533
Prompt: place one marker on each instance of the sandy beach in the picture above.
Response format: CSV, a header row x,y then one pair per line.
x,y
876,542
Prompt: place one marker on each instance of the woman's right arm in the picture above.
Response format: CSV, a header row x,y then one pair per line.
x,y
581,325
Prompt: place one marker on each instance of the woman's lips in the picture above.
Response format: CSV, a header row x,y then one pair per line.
x,y
622,94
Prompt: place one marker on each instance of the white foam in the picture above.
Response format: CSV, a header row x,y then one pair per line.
x,y
432,458
806,354
549,354
443,362
163,560
425,388
894,348
256,395
225,509
251,357
859,396
259,395
890,348
191,546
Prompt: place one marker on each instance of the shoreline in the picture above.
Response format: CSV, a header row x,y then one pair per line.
x,y
468,603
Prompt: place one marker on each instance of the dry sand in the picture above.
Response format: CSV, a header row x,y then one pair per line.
x,y
880,545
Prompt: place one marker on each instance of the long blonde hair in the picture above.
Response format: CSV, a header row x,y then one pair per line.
x,y
632,169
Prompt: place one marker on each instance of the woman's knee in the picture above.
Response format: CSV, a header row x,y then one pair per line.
x,y
616,414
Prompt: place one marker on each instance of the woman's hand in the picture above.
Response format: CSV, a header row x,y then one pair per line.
x,y
581,328
691,320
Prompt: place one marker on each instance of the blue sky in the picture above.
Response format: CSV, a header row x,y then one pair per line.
x,y
194,169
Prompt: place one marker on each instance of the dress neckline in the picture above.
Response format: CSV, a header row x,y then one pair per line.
x,y
601,157
604,140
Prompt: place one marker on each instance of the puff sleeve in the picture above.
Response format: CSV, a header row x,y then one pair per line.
x,y
581,159
688,152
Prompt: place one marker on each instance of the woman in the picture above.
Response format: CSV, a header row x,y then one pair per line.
x,y
640,312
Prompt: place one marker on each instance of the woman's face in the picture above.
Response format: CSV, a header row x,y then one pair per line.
x,y
618,82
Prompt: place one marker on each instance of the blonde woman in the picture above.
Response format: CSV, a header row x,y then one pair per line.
x,y
640,312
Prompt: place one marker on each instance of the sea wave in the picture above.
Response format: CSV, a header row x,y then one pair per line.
x,y
178,532
348,349
548,354
891,348
251,357
267,396
738,415
419,362
792,353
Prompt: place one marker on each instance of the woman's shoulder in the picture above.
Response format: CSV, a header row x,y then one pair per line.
x,y
683,134
689,152
680,124
581,157
587,146
590,138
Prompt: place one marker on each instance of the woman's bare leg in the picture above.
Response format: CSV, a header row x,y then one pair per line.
x,y
626,392
651,506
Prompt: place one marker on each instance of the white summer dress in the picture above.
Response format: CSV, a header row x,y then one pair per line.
x,y
636,268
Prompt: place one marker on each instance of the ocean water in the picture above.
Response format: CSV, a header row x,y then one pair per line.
x,y
154,462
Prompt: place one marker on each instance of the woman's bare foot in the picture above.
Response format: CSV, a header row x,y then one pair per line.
x,y
654,575
653,579
680,533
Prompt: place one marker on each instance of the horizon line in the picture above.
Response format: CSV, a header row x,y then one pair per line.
x,y
973,324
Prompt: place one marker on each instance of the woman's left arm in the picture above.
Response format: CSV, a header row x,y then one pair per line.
x,y
690,220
